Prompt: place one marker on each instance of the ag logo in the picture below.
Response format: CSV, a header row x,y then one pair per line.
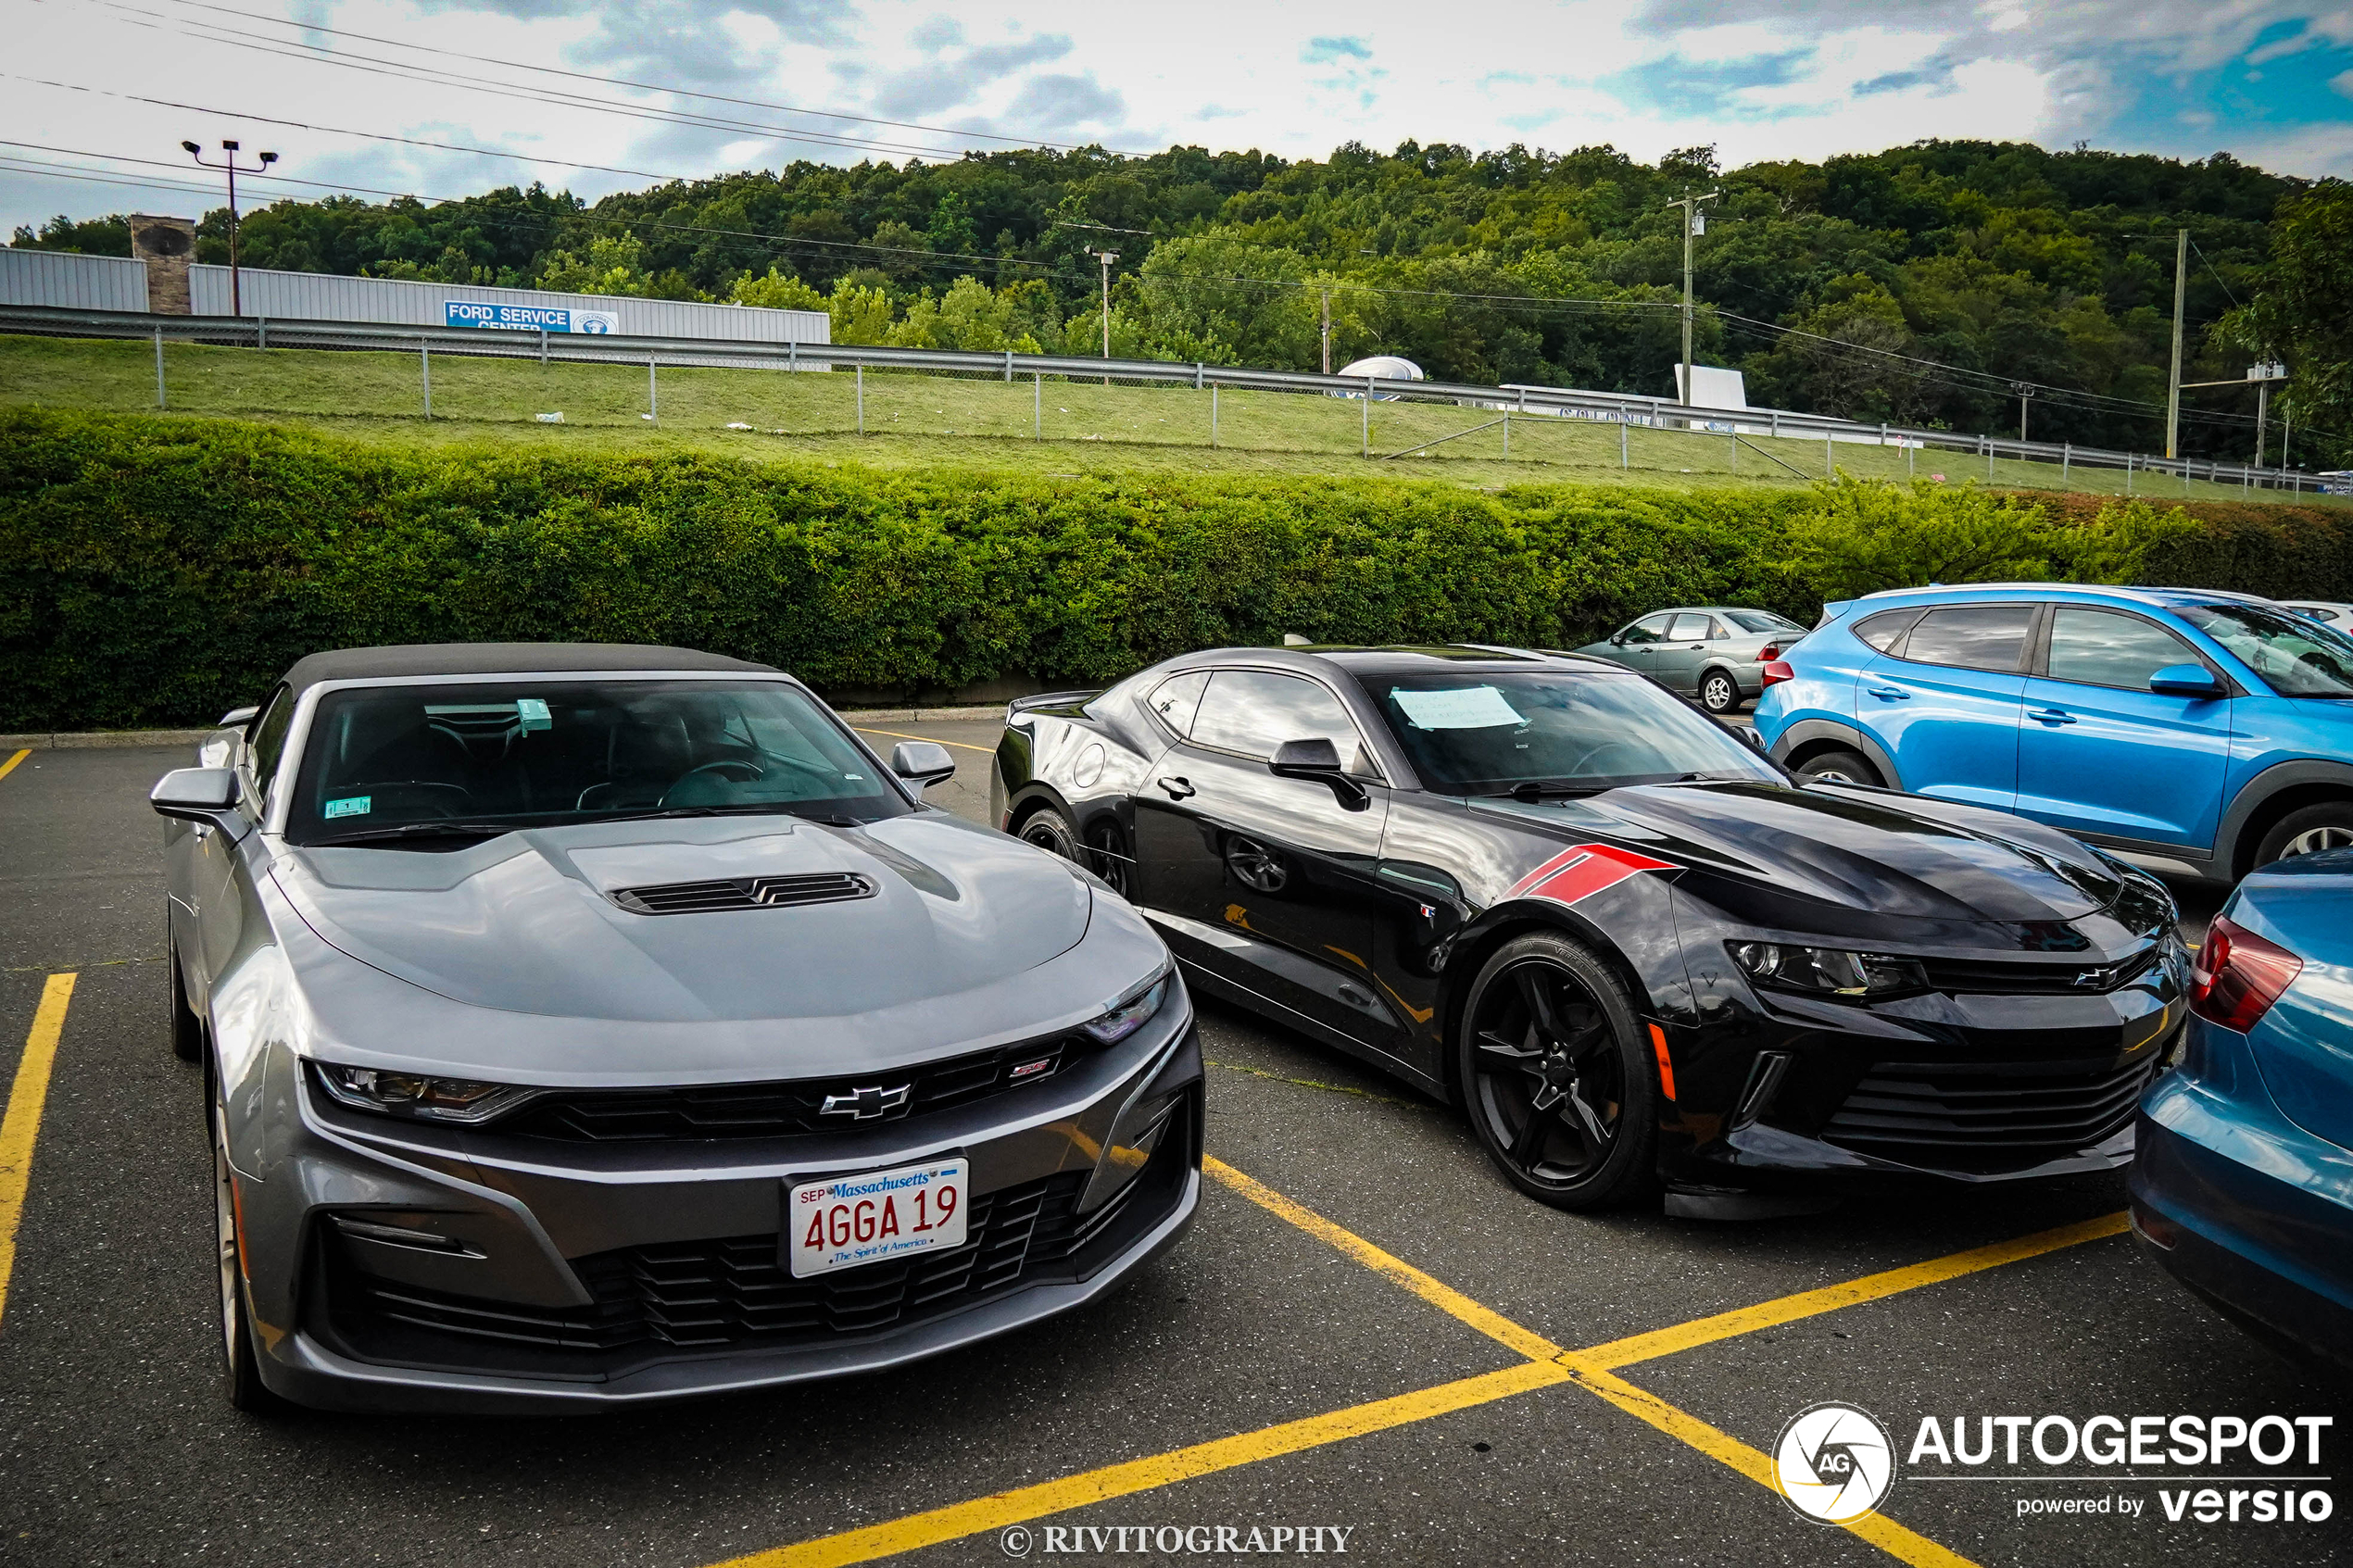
x,y
1834,1463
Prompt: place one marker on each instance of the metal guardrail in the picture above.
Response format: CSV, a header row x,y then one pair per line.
x,y
1618,408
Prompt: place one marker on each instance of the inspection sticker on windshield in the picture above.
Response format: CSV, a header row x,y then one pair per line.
x,y
840,1222
1467,707
350,805
534,714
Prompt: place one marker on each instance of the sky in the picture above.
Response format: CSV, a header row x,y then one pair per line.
x,y
437,99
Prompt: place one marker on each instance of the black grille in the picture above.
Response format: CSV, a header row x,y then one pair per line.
x,y
767,1110
737,1294
2036,977
744,893
1989,1116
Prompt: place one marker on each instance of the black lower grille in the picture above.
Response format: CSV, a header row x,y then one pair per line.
x,y
2036,977
1989,1116
736,1293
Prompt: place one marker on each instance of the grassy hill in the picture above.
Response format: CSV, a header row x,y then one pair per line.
x,y
916,420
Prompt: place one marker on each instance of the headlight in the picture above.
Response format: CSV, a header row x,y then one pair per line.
x,y
1828,972
1131,1012
429,1100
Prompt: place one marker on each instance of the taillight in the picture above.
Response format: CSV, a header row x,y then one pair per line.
x,y
1775,673
2239,975
1768,653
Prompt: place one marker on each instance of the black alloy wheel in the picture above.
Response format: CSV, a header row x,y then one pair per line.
x,y
1110,856
1840,767
1559,1086
2308,832
1050,831
1718,693
187,1029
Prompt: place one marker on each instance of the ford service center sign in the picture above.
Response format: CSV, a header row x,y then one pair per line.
x,y
529,318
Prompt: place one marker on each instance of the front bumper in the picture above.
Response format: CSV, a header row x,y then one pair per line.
x,y
562,1275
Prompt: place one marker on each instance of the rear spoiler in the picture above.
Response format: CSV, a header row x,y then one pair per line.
x,y
1052,699
1832,610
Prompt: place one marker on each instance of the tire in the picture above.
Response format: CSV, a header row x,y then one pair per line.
x,y
1567,1109
1840,767
1050,831
187,1029
2328,825
1109,856
1718,693
241,1382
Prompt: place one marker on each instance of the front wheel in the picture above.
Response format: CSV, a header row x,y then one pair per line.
x,y
1556,1079
1718,693
187,1029
2328,825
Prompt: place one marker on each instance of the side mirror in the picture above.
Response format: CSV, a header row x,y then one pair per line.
x,y
237,717
196,795
1748,733
1319,760
922,763
2185,680
1618,639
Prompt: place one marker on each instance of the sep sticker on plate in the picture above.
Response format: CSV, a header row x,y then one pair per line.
x,y
350,805
534,714
1464,707
840,1222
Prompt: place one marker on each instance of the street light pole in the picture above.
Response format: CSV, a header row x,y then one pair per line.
x,y
2024,391
1106,258
236,295
1327,332
1693,224
2174,383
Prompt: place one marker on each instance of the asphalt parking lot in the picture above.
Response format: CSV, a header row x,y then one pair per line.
x,y
1367,1332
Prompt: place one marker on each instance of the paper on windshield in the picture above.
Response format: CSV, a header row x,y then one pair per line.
x,y
1466,708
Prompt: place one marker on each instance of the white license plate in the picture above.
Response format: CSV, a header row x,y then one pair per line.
x,y
841,1222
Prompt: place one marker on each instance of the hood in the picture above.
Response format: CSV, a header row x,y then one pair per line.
x,y
1870,854
525,922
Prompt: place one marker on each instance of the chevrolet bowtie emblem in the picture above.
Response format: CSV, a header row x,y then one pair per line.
x,y
867,1103
2089,977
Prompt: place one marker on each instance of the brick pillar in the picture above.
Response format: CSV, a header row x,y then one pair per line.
x,y
167,246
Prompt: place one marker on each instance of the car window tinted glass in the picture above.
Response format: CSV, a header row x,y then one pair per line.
x,y
270,735
1762,621
1253,711
1479,734
1174,699
2296,657
1970,636
1649,629
2102,648
543,753
1882,630
1688,628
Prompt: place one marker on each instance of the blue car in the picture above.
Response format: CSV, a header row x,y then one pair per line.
x,y
2198,733
2242,1176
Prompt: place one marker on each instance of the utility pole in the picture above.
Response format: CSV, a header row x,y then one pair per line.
x,y
1694,222
1327,332
2174,383
2024,390
1106,258
236,295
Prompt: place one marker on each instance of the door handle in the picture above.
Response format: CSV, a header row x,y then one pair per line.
x,y
1890,694
1177,789
2052,716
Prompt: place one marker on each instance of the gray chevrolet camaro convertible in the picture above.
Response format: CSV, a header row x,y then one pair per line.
x,y
587,1025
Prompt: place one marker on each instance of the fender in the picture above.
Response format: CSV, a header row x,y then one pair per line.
x,y
1806,730
2263,786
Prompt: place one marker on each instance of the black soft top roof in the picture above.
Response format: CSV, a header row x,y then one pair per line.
x,y
504,658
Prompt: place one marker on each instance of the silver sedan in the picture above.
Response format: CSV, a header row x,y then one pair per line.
x,y
588,1025
1716,653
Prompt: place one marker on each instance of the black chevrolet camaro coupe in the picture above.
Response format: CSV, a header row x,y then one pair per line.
x,y
1633,949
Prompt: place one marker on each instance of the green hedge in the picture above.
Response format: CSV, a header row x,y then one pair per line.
x,y
159,571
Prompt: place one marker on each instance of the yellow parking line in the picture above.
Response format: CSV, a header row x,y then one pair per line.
x,y
10,765
1445,1298
1026,1503
901,734
1905,1546
21,1123
1830,1299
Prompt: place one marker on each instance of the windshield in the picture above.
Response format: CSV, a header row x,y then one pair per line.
x,y
1486,734
1762,621
2296,657
509,754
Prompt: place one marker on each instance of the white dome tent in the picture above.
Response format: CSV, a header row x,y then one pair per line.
x,y
1383,367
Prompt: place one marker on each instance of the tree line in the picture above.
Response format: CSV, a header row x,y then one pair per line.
x,y
1915,286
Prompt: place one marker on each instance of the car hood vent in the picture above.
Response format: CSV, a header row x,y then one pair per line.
x,y
744,893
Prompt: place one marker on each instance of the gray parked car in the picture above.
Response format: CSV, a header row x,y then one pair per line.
x,y
589,1025
1716,653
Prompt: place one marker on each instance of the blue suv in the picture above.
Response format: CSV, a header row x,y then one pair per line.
x,y
2204,733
